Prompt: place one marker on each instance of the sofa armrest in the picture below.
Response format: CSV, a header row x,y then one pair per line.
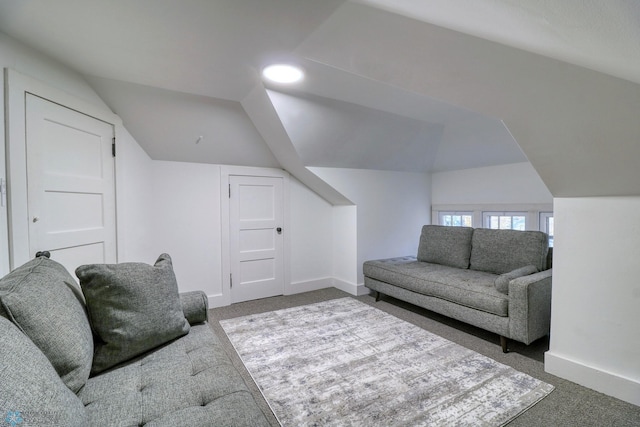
x,y
195,306
530,306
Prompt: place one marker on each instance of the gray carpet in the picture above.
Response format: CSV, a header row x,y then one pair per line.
x,y
569,405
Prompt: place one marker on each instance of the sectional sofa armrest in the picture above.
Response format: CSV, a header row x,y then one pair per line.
x,y
195,306
530,306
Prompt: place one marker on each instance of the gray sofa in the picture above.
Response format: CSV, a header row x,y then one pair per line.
x,y
498,280
124,350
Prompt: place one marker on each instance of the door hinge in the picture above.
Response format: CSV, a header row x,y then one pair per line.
x,y
113,146
229,190
231,280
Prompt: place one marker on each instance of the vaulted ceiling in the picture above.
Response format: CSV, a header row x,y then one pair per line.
x,y
400,85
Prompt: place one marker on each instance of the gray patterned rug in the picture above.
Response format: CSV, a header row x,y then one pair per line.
x,y
344,363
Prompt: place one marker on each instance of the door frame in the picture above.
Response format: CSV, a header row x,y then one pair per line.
x,y
16,87
225,173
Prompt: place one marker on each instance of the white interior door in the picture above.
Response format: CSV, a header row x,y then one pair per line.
x,y
256,209
70,184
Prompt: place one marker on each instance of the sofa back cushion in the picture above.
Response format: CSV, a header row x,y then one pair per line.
x,y
445,245
42,300
501,251
31,392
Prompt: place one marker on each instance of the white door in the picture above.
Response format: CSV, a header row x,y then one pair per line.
x,y
256,237
70,184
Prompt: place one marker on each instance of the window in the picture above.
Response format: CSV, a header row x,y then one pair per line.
x,y
546,225
456,219
524,216
505,220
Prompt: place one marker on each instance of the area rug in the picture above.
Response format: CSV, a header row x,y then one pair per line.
x,y
344,363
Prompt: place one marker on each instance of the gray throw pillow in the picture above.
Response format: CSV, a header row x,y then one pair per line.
x,y
43,300
133,308
31,392
502,281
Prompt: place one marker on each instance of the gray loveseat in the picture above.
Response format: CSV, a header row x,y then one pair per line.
x,y
126,351
497,280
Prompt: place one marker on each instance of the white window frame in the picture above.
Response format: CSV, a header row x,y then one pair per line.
x,y
442,214
486,218
532,210
544,225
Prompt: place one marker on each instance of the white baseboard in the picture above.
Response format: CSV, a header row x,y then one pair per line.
x,y
218,301
308,286
351,288
327,282
605,382
300,287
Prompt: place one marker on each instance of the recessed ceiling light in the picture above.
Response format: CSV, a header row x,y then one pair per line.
x,y
282,73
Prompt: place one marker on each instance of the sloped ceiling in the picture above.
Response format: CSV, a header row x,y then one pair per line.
x,y
391,84
213,48
577,127
180,126
600,35
341,119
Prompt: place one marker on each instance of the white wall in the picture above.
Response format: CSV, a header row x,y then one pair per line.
x,y
516,183
311,238
344,251
135,193
596,294
513,187
392,207
186,222
15,55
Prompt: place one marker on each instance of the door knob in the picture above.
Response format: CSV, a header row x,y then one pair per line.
x,y
46,254
279,230
36,218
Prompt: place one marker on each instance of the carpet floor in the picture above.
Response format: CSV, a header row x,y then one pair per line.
x,y
569,405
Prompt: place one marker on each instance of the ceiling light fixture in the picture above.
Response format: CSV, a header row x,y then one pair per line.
x,y
282,73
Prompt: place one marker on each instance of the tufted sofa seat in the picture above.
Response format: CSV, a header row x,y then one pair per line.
x,y
474,289
45,361
188,379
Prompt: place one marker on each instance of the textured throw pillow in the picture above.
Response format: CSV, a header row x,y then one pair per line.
x,y
502,281
133,308
31,392
445,245
43,300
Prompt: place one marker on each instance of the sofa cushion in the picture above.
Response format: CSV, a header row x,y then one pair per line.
x,y
502,281
500,251
189,381
133,308
42,299
31,392
445,245
474,289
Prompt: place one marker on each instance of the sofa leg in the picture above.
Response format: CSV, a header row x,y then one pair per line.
x,y
503,344
377,296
